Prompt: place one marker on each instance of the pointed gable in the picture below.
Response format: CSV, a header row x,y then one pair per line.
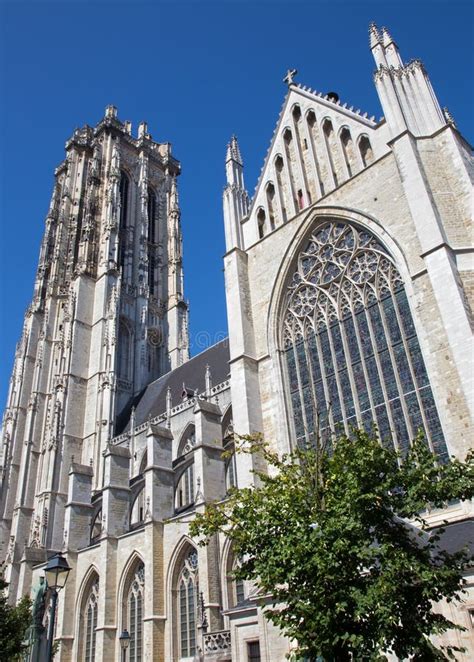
x,y
318,144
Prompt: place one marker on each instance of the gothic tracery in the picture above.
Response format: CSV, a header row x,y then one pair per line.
x,y
352,352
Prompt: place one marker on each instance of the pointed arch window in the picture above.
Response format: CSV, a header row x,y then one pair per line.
x,y
134,618
352,352
366,152
124,351
261,223
328,132
188,591
185,488
90,617
185,491
151,209
124,196
348,151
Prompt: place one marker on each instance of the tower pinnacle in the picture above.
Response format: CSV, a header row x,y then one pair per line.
x,y
374,35
233,151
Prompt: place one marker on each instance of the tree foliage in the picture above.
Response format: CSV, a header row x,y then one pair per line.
x,y
330,535
14,623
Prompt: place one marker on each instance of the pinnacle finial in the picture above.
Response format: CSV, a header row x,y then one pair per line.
x,y
111,111
233,151
374,35
386,37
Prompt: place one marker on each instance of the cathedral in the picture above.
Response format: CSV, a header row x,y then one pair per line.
x,y
350,288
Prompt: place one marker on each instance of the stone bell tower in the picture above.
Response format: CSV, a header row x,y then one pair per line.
x,y
107,317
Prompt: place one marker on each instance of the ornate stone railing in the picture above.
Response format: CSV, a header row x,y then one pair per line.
x,y
161,418
217,643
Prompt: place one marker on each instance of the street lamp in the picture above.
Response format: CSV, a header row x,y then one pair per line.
x,y
56,572
124,643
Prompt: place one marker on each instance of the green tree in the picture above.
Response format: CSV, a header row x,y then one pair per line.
x,y
329,534
14,624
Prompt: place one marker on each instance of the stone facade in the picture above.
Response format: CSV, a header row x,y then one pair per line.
x,y
113,437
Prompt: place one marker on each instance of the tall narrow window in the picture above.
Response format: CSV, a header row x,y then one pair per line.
x,y
366,151
348,150
123,189
261,222
124,351
320,167
281,187
331,149
151,271
270,204
91,623
352,352
135,614
188,591
151,208
185,492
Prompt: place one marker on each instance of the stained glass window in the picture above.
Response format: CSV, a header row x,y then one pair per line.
x,y
135,614
91,622
352,354
187,607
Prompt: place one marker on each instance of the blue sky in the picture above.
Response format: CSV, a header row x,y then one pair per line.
x,y
196,72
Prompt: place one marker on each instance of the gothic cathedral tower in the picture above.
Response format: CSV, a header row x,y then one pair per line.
x,y
107,317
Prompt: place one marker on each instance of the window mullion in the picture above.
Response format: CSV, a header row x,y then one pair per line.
x,y
410,365
395,370
363,363
300,389
312,386
322,367
337,377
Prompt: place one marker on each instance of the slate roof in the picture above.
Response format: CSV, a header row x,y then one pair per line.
x,y
151,401
458,536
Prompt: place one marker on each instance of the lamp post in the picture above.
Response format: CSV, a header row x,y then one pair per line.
x,y
124,643
56,572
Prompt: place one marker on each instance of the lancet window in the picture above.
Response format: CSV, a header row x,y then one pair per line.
x,y
134,618
90,617
348,150
124,194
124,351
188,592
151,209
352,352
365,149
185,489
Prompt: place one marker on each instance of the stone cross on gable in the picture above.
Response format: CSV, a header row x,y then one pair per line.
x,y
290,74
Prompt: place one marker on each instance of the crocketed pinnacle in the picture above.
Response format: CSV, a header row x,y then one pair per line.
x,y
374,35
233,151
